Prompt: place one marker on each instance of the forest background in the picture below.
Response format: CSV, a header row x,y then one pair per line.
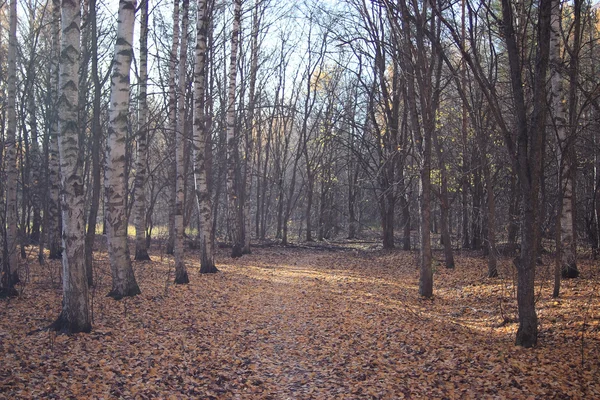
x,y
428,125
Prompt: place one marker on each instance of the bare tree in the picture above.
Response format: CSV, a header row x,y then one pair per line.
x,y
181,275
75,316
141,250
201,144
124,283
566,244
234,206
10,274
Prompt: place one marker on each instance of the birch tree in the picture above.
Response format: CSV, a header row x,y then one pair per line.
x,y
75,316
123,279
10,274
232,140
202,144
566,259
181,275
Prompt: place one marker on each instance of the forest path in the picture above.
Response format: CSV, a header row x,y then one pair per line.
x,y
303,324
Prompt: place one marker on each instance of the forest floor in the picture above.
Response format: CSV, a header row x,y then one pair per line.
x,y
305,323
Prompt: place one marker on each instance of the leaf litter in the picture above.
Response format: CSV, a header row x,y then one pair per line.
x,y
305,324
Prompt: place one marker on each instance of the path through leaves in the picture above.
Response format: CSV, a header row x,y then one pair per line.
x,y
304,324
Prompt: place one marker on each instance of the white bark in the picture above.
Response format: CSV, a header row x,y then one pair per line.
x,y
232,142
75,312
201,145
566,238
123,279
10,275
181,275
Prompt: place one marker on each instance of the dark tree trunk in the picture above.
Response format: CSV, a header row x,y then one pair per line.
x,y
529,148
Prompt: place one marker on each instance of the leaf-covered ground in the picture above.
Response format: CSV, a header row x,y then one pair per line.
x,y
304,324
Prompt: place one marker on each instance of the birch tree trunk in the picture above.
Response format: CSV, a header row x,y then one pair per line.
x,y
141,250
201,138
567,259
10,274
123,279
75,315
54,219
234,205
181,275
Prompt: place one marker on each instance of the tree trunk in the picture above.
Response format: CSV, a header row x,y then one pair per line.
x,y
36,168
75,315
491,217
181,276
96,149
528,162
172,141
566,246
464,192
234,205
123,279
201,138
256,19
387,221
513,213
10,274
141,250
444,204
476,221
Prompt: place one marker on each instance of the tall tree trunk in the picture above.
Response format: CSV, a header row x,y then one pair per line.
x,y
444,204
141,250
529,146
426,273
201,138
75,316
491,217
123,279
181,276
172,142
464,192
476,220
573,72
10,274
90,237
234,205
36,168
256,19
566,246
513,212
